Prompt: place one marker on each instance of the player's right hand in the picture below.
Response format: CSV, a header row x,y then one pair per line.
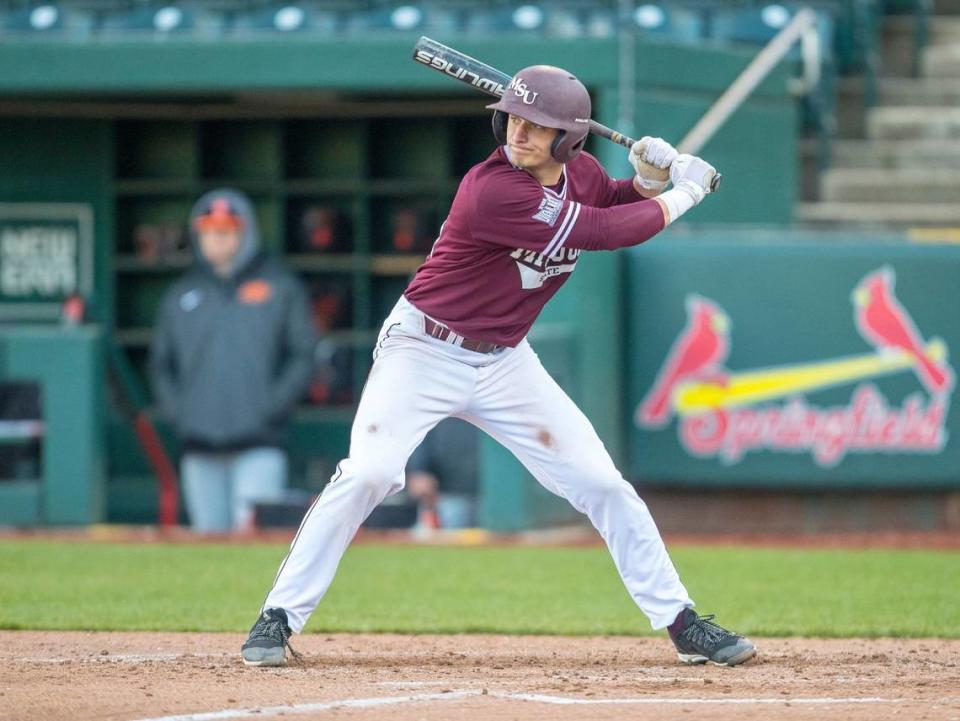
x,y
651,159
693,174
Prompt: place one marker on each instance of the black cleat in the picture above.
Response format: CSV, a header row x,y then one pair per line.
x,y
701,640
268,640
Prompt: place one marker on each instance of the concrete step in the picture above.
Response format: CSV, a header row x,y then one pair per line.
x,y
946,7
942,61
891,154
898,40
897,46
860,185
913,122
890,215
943,29
894,92
934,92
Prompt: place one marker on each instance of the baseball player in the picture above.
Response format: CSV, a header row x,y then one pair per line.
x,y
455,345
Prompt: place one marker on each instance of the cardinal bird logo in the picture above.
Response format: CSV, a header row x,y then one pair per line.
x,y
698,352
885,323
727,414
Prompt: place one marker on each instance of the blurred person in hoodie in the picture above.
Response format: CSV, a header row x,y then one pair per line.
x,y
230,358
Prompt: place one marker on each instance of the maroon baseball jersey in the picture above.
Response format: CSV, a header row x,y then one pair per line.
x,y
509,243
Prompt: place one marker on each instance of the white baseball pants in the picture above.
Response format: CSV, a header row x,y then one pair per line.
x,y
415,382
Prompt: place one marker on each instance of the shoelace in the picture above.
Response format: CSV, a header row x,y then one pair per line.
x,y
273,628
701,631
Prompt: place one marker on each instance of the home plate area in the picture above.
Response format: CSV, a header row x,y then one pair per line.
x,y
200,677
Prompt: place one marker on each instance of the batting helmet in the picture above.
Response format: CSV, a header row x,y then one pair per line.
x,y
551,97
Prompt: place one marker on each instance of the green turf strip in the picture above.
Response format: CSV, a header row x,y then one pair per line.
x,y
411,589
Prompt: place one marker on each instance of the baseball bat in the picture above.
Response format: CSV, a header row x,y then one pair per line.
x,y
491,81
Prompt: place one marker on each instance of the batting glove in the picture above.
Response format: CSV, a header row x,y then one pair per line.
x,y
651,157
692,175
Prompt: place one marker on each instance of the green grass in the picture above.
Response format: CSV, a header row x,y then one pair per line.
x,y
410,589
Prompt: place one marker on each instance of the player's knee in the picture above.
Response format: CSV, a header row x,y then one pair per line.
x,y
378,476
608,487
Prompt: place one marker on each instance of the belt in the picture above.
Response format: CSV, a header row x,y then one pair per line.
x,y
441,332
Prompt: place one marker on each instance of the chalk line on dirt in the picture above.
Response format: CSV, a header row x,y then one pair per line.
x,y
311,707
528,697
564,700
119,658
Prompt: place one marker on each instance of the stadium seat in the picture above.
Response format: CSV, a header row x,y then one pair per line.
x,y
395,17
288,17
159,18
508,17
40,18
669,21
752,25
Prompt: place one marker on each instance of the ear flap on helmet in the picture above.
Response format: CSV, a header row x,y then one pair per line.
x,y
555,150
577,147
500,126
563,149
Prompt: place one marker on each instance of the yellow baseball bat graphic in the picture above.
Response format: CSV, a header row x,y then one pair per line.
x,y
752,387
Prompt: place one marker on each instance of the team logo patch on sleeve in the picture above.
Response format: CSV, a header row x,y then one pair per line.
x,y
549,209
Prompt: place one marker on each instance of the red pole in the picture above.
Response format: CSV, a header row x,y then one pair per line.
x,y
168,488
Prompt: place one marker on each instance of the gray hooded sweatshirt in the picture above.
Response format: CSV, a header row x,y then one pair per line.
x,y
232,355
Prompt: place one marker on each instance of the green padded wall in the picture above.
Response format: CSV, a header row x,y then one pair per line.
x,y
804,389
67,363
367,153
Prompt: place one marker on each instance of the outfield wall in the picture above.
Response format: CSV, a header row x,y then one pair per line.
x,y
779,357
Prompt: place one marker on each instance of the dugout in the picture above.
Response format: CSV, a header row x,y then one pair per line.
x,y
349,129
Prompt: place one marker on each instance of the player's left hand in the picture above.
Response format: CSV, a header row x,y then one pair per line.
x,y
652,158
693,175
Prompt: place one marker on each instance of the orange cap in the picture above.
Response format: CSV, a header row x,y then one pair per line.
x,y
219,216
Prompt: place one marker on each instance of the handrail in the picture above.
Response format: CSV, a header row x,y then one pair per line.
x,y
759,68
810,53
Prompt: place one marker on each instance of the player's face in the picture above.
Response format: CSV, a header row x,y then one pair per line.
x,y
529,144
219,246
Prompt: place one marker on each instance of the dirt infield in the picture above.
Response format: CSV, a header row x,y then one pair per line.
x,y
198,677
